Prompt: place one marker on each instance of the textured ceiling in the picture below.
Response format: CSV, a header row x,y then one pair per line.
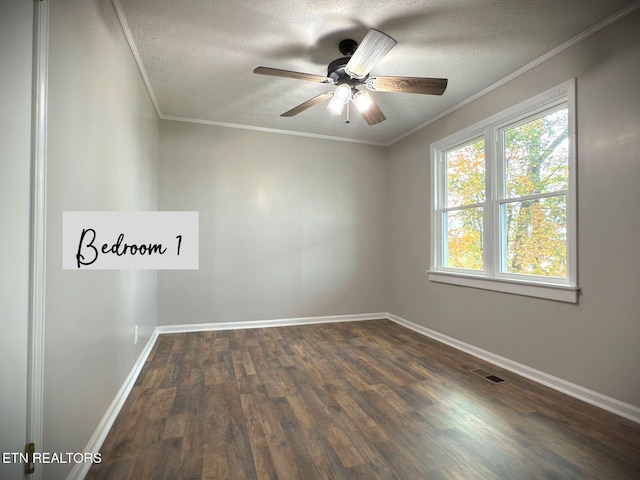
x,y
198,55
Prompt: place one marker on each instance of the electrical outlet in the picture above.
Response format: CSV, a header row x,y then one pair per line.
x,y
135,334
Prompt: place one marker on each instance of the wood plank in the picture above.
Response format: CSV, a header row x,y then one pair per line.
x,y
346,451
262,459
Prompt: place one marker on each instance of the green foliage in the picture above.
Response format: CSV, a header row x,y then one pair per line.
x,y
465,175
465,186
537,156
464,232
536,237
537,162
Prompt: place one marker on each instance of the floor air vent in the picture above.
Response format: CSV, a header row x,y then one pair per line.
x,y
488,376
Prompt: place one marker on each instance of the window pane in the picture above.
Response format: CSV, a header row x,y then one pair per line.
x,y
463,243
465,175
536,237
537,155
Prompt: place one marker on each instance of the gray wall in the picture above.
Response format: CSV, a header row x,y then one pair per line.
x,y
289,226
16,21
595,344
102,155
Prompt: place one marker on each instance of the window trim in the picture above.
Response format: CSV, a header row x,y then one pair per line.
x,y
491,278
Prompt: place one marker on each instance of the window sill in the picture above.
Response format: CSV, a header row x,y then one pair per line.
x,y
560,293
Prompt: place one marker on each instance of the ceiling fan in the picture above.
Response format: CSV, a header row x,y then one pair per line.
x,y
351,72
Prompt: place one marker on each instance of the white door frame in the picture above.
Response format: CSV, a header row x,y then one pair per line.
x,y
37,247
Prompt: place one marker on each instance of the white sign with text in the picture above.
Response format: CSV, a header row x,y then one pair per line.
x,y
130,240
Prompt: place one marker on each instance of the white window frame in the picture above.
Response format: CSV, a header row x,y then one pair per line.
x,y
491,277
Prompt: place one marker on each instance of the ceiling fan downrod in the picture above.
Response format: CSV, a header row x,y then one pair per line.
x,y
347,47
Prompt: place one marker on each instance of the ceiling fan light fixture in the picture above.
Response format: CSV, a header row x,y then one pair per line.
x,y
374,46
362,100
343,93
335,106
341,97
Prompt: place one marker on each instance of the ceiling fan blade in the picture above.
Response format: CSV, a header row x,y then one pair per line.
x,y
429,86
275,72
372,114
374,46
308,104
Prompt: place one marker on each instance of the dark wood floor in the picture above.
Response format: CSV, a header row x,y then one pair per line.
x,y
359,400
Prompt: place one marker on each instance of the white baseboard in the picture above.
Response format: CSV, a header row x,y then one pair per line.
x,y
282,322
80,470
610,404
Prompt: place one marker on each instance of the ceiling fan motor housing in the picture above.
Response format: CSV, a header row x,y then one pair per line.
x,y
338,75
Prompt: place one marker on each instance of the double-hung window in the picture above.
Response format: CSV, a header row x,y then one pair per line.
x,y
504,201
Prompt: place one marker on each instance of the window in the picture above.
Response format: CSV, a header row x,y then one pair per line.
x,y
504,201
